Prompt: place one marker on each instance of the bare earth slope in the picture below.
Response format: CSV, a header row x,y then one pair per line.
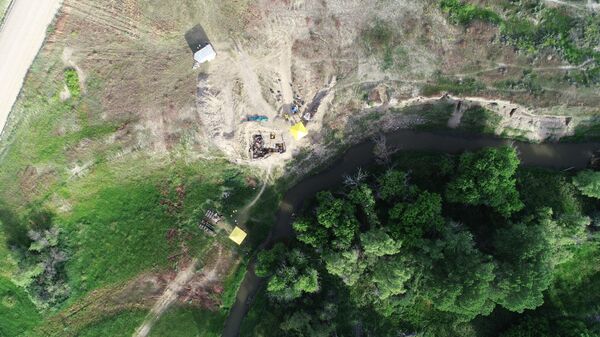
x,y
20,40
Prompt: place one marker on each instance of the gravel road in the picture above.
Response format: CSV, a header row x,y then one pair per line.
x,y
21,38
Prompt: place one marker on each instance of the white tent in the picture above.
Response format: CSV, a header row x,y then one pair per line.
x,y
207,53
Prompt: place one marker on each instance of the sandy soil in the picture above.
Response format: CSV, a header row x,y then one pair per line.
x,y
312,51
20,40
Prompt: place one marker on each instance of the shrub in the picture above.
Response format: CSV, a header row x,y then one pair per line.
x,y
465,13
72,82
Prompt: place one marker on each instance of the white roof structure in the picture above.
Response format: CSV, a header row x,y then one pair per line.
x,y
207,53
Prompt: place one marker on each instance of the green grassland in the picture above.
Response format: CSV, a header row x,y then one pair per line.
x,y
17,313
189,322
113,213
179,321
120,325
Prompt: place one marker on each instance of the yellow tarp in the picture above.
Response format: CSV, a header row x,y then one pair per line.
x,y
298,131
238,235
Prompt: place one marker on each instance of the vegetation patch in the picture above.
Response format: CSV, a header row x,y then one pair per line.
x,y
532,27
189,322
464,13
381,39
3,7
586,130
122,324
17,313
442,84
232,285
556,29
72,82
431,116
480,120
529,82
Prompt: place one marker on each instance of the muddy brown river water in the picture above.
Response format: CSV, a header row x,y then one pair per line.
x,y
548,155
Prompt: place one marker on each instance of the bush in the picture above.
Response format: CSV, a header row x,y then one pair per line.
x,y
43,268
453,86
72,82
465,13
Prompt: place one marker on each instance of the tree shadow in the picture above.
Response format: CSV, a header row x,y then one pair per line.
x,y
16,233
196,38
15,228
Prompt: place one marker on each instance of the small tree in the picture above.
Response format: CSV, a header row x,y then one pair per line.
x,y
460,279
43,271
381,150
393,185
526,259
291,274
362,196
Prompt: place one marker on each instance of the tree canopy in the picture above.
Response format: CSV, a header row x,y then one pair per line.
x,y
410,220
461,278
487,178
525,263
291,273
588,182
419,262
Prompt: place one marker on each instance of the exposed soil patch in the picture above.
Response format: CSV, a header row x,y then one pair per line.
x,y
190,286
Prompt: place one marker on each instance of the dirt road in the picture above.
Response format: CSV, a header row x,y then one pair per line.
x,y
21,38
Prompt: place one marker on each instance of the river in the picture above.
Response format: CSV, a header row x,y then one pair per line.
x,y
549,155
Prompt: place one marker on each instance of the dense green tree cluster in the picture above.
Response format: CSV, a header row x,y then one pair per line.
x,y
291,273
487,178
588,182
543,327
419,256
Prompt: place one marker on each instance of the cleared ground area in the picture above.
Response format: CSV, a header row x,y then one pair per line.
x,y
20,39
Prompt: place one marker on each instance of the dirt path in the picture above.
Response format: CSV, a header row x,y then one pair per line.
x,y
173,290
167,298
21,38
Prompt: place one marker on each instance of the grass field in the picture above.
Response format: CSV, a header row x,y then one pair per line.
x,y
3,6
17,313
177,322
189,322
120,325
